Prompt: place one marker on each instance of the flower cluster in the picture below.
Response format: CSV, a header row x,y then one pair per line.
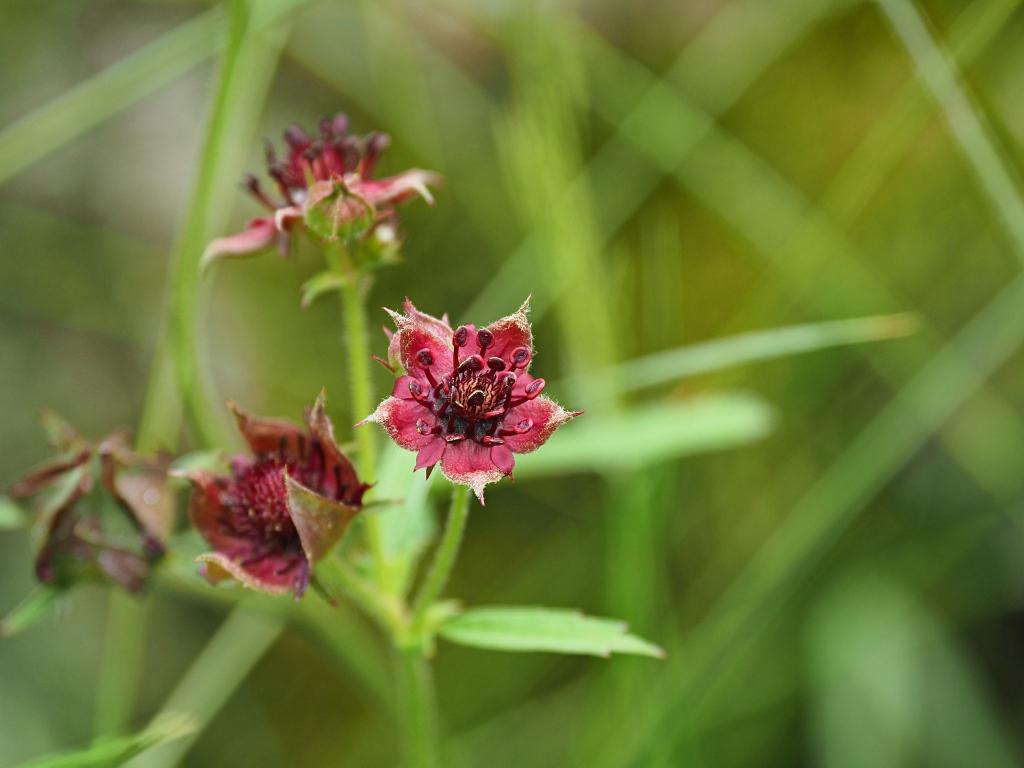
x,y
326,184
281,509
101,511
465,398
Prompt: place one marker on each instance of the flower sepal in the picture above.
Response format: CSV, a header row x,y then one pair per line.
x,y
101,512
333,211
280,510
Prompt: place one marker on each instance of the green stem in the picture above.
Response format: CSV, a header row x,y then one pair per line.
x,y
418,710
120,667
444,559
357,343
245,74
240,642
338,579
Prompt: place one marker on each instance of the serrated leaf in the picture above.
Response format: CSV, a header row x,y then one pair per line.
x,y
318,285
554,630
33,608
649,434
107,751
12,516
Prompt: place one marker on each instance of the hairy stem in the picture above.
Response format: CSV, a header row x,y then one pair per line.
x,y
418,710
357,344
444,558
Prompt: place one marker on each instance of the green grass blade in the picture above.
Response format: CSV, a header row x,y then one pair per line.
x,y
229,657
105,94
742,349
967,121
649,434
108,751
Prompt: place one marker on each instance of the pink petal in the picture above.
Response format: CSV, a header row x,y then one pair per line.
x,y
275,574
258,235
469,463
398,189
431,453
207,508
270,436
401,388
510,333
399,418
440,325
546,416
502,458
340,481
414,335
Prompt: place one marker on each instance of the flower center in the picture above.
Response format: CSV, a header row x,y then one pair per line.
x,y
474,400
335,153
258,504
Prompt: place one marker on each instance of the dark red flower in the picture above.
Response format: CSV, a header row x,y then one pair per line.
x,y
332,172
102,511
466,398
280,511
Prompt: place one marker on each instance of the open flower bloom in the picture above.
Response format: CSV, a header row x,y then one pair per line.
x,y
101,511
466,398
333,173
281,510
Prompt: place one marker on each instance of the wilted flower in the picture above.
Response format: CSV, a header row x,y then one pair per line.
x,y
466,399
102,511
326,183
280,511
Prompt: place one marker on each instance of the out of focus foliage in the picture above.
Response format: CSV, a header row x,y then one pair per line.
x,y
846,591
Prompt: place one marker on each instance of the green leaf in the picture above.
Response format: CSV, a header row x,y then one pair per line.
x,y
107,751
211,460
407,528
744,348
556,630
11,515
318,285
649,434
33,608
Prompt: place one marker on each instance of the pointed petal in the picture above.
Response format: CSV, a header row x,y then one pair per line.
x,y
430,454
46,473
321,522
340,480
258,235
125,568
469,463
418,332
546,416
397,189
140,487
510,333
502,458
399,418
271,436
206,509
272,575
440,325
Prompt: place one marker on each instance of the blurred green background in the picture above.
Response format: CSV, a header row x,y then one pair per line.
x,y
842,589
